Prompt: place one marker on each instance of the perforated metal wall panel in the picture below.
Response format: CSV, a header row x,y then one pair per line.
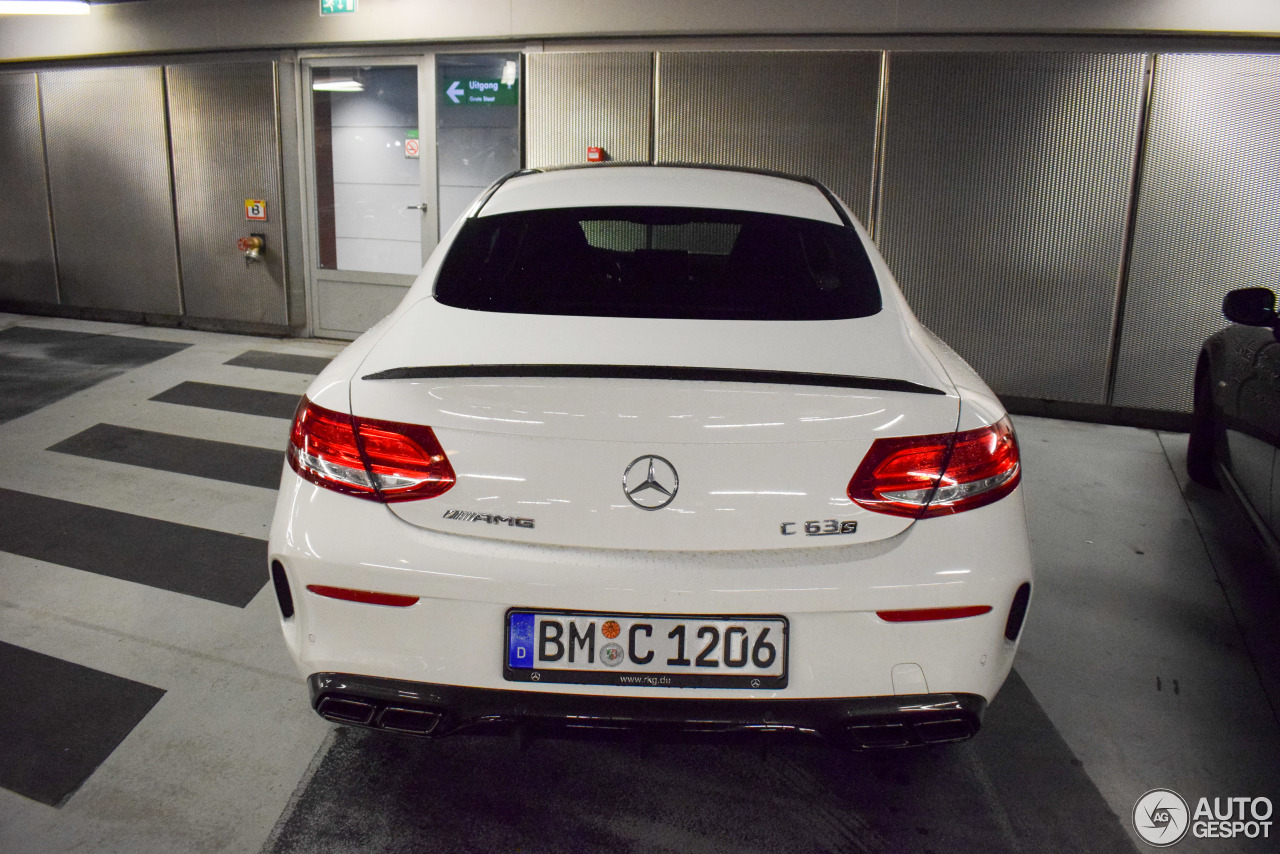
x,y
579,100
223,130
1208,217
26,243
807,113
109,179
1004,208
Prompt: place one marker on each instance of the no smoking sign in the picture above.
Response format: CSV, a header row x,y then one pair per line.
x,y
411,148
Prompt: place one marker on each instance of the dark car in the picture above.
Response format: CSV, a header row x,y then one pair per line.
x,y
1236,428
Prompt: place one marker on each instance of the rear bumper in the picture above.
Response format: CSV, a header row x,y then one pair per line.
x,y
424,709
830,596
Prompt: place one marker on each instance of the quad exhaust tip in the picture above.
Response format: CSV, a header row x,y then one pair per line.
x,y
341,710
355,712
879,736
411,721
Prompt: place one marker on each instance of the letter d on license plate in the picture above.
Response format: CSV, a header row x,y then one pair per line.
x,y
646,650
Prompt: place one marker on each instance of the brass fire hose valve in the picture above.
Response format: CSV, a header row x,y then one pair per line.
x,y
252,247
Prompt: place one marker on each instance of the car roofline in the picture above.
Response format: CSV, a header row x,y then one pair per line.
x,y
768,173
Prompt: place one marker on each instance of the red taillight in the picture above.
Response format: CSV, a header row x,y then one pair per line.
x,y
323,449
923,476
378,460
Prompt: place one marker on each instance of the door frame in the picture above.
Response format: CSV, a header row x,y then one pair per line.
x,y
384,288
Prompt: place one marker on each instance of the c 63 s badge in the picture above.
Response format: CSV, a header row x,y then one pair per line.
x,y
490,518
820,528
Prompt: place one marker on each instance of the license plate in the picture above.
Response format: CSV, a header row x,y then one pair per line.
x,y
644,650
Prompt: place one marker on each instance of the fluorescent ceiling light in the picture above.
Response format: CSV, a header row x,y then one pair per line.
x,y
43,7
338,86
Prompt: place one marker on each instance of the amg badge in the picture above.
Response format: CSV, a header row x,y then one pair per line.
x,y
491,518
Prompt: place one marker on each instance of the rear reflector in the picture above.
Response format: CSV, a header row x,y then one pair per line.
x,y
920,615
923,476
377,460
367,597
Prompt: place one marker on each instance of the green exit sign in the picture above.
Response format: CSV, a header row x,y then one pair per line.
x,y
337,7
464,91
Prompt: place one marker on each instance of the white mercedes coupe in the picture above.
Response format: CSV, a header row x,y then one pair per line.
x,y
653,448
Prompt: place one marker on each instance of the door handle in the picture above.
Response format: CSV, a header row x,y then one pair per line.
x,y
420,207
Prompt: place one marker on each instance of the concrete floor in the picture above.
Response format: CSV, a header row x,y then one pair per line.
x,y
150,704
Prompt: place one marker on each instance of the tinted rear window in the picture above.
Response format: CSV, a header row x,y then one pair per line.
x,y
659,262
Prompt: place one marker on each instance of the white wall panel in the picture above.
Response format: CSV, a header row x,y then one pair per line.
x,y
476,156
396,106
372,155
377,211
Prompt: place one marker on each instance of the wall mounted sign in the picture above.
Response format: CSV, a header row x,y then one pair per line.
x,y
255,209
479,92
337,7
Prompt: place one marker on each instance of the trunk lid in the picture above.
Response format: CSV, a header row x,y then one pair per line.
x,y
763,440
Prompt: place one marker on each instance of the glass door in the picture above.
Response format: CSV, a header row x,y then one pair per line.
x,y
369,177
397,148
371,189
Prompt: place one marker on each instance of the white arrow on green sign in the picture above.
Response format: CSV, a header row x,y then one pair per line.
x,y
476,92
337,7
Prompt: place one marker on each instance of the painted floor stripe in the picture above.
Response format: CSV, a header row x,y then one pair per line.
x,y
42,366
279,362
59,721
212,565
224,461
18,336
226,398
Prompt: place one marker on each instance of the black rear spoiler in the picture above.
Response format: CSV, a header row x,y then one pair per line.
x,y
653,372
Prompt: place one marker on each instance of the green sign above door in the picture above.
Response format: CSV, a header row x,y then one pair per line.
x,y
478,93
337,7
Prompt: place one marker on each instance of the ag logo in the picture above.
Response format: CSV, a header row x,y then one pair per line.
x,y
1161,817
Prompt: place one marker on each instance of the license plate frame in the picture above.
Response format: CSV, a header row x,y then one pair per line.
x,y
522,630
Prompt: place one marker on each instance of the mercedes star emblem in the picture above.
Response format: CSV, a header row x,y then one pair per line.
x,y
657,482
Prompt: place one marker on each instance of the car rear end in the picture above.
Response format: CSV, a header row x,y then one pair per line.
x,y
706,512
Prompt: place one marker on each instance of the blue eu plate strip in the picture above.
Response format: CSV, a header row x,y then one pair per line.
x,y
520,641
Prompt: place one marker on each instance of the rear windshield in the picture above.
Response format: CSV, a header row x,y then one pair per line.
x,y
659,262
